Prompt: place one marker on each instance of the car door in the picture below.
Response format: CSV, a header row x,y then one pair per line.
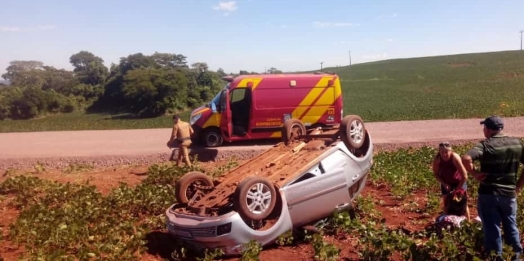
x,y
320,191
225,122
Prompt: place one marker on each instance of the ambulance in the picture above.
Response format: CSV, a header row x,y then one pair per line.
x,y
255,107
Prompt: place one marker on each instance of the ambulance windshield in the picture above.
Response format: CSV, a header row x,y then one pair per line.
x,y
217,98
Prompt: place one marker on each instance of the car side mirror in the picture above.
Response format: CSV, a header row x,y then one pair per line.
x,y
213,107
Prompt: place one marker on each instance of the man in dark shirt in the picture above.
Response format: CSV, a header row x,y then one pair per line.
x,y
499,157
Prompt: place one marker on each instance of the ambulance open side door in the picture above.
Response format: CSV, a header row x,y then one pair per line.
x,y
226,125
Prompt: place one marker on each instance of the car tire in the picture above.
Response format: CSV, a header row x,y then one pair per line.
x,y
352,131
184,187
292,128
249,195
212,137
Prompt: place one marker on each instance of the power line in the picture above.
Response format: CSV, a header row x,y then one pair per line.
x,y
521,31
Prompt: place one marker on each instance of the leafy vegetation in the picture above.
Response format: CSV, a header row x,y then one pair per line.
x,y
63,221
454,86
143,85
407,171
81,121
86,224
323,251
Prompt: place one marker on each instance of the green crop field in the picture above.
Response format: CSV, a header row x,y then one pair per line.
x,y
454,86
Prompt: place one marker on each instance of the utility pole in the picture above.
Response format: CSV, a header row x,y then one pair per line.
x,y
321,65
349,58
521,39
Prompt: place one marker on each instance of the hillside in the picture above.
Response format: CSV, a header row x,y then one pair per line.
x,y
454,86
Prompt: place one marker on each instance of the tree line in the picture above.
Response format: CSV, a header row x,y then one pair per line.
x,y
144,85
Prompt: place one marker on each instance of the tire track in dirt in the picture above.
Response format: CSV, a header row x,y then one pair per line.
x,y
104,148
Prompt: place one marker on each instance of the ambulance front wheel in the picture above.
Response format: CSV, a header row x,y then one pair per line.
x,y
352,131
211,137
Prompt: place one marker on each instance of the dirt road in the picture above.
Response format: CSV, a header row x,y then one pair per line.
x,y
110,147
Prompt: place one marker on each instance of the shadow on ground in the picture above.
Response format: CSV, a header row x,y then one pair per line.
x,y
163,245
123,116
264,142
202,154
206,154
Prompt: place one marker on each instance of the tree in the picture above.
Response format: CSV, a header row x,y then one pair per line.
x,y
273,70
136,61
221,72
113,97
17,68
33,78
153,92
200,67
59,80
89,69
169,60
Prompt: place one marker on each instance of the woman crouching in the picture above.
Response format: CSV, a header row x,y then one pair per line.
x,y
450,172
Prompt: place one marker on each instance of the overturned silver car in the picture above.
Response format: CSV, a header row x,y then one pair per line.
x,y
296,183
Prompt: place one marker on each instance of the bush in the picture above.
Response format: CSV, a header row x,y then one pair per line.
x,y
29,102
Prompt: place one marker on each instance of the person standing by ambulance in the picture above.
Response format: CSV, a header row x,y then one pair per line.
x,y
181,133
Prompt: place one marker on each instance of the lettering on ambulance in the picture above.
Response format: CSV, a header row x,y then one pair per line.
x,y
269,122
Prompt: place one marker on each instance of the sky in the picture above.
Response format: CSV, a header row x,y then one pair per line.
x,y
254,35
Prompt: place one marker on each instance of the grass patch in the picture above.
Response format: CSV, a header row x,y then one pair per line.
x,y
81,121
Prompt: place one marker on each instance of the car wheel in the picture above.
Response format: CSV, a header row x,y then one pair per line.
x,y
212,138
292,129
352,131
255,198
189,184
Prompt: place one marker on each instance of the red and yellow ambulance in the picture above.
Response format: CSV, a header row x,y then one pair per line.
x,y
255,107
